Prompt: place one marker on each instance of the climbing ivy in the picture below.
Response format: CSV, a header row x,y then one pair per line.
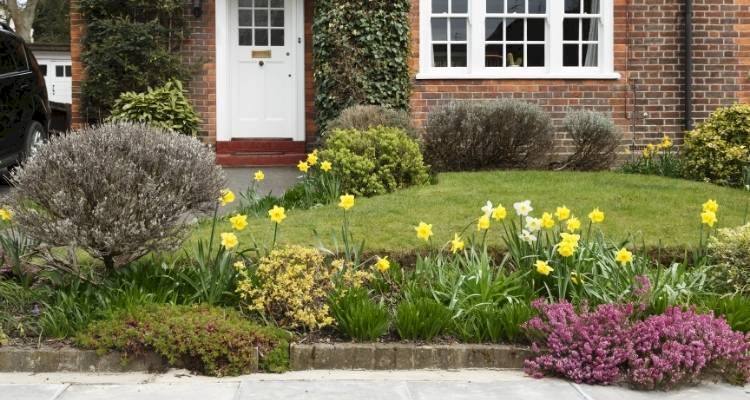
x,y
129,46
361,55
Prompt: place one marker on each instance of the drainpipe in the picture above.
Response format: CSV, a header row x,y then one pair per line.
x,y
689,65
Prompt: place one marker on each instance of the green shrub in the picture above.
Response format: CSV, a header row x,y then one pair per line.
x,y
376,161
596,139
165,107
359,317
421,319
207,340
735,309
729,248
469,136
719,148
365,117
360,55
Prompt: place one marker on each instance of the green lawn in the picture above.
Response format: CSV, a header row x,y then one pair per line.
x,y
653,208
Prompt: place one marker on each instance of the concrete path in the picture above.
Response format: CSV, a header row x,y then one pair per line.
x,y
333,385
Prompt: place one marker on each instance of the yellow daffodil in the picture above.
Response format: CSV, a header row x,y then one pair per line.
x,y
227,197
239,222
229,240
500,213
566,249
709,218
711,205
543,268
5,214
649,151
259,176
573,225
277,214
383,265
666,142
575,278
347,202
562,213
424,231
326,166
483,223
570,239
457,244
596,216
624,256
303,167
548,222
312,159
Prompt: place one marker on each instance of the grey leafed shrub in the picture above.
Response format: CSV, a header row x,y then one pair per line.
x,y
470,136
116,191
365,117
596,139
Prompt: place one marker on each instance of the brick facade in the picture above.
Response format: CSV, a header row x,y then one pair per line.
x,y
646,102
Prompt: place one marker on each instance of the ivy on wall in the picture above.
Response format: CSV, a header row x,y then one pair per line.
x,y
360,55
129,45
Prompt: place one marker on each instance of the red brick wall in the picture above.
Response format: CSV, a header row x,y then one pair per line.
x,y
199,54
76,35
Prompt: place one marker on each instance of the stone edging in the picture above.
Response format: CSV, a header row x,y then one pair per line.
x,y
379,356
46,360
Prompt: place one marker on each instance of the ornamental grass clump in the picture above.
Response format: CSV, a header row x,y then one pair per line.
x,y
115,191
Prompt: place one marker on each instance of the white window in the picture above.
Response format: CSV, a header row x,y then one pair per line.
x,y
516,39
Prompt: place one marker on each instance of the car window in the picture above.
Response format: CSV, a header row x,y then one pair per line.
x,y
7,56
19,51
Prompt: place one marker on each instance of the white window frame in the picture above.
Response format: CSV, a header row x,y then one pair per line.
x,y
553,68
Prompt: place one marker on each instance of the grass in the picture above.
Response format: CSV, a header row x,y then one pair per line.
x,y
652,209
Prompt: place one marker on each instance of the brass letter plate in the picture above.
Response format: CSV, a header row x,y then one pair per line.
x,y
261,54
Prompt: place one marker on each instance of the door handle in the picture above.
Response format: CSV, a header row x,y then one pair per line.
x,y
261,63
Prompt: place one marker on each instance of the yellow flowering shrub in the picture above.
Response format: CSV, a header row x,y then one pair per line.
x,y
291,286
730,249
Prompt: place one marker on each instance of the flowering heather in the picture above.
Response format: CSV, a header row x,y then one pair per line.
x,y
609,345
681,347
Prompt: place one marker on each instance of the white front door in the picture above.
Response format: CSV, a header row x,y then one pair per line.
x,y
263,68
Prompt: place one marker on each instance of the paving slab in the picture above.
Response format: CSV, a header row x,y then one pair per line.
x,y
312,390
702,392
213,391
30,392
525,389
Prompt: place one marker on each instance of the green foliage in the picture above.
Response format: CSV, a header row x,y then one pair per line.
x,y
488,323
376,161
729,248
132,39
52,22
421,319
596,139
467,136
735,309
208,340
719,148
18,307
661,160
360,55
359,317
165,107
365,117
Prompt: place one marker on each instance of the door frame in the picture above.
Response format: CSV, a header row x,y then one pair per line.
x,y
223,68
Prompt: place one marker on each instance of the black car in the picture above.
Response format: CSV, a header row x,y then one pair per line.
x,y
24,107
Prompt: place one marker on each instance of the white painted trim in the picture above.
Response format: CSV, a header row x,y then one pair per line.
x,y
299,32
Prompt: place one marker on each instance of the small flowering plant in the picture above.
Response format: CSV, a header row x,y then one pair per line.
x,y
320,182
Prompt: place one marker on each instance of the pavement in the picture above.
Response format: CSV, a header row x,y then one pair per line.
x,y
333,385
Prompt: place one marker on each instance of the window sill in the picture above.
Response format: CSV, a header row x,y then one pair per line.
x,y
520,75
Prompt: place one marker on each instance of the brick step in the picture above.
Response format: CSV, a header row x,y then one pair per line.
x,y
260,146
259,160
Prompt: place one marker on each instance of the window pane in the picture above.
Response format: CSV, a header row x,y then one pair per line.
x,y
277,37
494,29
495,6
261,3
277,3
261,37
458,29
261,17
493,55
439,29
535,29
59,71
440,55
591,6
590,56
590,29
460,6
246,3
570,55
68,71
535,55
573,6
277,18
458,55
246,18
439,6
514,29
515,55
570,29
246,37
537,6
516,6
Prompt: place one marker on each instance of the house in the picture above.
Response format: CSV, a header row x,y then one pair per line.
x,y
656,66
55,62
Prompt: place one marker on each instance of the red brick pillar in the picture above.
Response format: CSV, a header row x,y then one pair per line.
x,y
77,28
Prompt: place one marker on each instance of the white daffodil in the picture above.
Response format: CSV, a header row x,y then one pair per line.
x,y
523,208
488,209
533,224
527,237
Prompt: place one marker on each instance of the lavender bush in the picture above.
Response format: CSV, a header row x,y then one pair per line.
x,y
611,345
